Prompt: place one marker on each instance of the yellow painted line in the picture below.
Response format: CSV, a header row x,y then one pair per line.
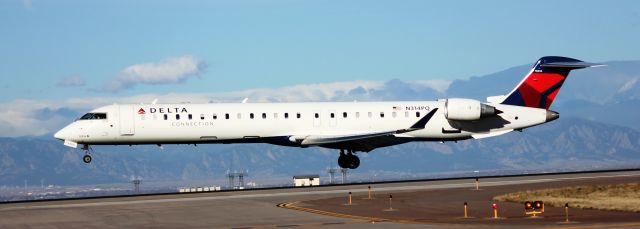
x,y
634,224
292,206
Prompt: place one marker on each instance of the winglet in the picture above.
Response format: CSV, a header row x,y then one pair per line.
x,y
420,124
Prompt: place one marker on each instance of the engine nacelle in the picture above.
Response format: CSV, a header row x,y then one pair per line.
x,y
467,110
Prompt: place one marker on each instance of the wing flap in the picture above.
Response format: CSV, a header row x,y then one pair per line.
x,y
490,134
327,139
333,139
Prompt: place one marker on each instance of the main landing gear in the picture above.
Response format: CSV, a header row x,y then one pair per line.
x,y
349,160
87,157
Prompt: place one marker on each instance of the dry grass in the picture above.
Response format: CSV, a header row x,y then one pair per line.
x,y
620,197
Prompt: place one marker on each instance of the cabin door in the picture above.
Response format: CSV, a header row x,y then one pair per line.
x,y
127,123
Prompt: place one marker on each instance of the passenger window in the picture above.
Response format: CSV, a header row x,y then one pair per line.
x,y
190,117
344,114
318,116
239,115
370,115
201,116
381,114
251,115
226,116
394,114
215,116
286,115
264,115
418,114
177,117
298,115
166,117
357,114
332,115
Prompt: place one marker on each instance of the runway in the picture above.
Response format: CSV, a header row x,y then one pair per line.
x,y
258,209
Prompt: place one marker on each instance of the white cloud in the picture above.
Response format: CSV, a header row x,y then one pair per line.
x,y
438,85
629,84
72,81
167,71
25,117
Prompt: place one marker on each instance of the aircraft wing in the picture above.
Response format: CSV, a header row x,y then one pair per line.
x,y
362,141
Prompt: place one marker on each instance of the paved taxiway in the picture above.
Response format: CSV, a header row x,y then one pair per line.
x,y
257,209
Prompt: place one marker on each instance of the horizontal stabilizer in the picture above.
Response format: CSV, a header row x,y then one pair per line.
x,y
573,65
496,99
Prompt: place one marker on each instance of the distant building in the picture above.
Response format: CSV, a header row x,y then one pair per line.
x,y
306,180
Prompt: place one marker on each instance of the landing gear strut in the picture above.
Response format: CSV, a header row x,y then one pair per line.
x,y
87,157
349,160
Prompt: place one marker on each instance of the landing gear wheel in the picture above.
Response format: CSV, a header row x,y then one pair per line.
x,y
86,149
354,161
343,161
86,159
349,160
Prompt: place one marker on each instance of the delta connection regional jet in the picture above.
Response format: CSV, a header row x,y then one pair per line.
x,y
350,127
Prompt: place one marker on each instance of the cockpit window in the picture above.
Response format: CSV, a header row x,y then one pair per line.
x,y
90,116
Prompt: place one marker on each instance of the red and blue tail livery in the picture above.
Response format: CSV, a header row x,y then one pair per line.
x,y
542,84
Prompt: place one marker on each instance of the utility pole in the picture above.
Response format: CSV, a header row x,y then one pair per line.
x,y
344,175
136,183
240,175
332,172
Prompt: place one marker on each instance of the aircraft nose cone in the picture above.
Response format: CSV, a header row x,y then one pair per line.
x,y
61,134
552,115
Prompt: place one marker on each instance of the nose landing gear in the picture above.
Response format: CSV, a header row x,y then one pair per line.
x,y
86,158
349,160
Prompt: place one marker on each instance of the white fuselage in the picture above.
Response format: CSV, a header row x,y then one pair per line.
x,y
285,123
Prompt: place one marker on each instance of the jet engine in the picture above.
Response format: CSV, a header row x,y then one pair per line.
x,y
468,110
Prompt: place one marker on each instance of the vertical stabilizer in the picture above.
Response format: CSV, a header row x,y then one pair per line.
x,y
539,88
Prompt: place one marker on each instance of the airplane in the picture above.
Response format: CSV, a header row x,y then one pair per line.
x,y
350,127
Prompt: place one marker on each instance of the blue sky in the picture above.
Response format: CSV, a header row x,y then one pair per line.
x,y
56,50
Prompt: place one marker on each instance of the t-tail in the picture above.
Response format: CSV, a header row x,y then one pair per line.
x,y
542,84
